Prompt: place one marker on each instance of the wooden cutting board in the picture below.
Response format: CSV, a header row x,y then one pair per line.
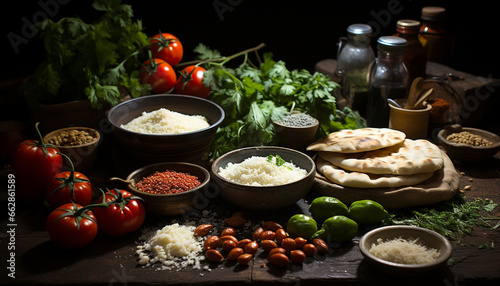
x,y
442,186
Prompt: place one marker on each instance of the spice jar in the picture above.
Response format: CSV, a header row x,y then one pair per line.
x,y
354,56
388,79
415,58
435,39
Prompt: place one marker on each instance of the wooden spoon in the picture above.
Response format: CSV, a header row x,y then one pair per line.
x,y
424,96
415,88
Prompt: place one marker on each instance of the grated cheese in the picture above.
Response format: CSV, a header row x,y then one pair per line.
x,y
164,121
174,246
258,171
403,251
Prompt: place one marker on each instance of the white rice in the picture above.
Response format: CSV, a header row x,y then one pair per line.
x,y
258,171
164,121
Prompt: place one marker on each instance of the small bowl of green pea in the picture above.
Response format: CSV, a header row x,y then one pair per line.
x,y
296,130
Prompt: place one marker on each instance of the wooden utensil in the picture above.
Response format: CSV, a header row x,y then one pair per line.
x,y
415,88
419,103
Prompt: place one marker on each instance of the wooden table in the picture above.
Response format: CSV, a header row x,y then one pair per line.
x,y
112,261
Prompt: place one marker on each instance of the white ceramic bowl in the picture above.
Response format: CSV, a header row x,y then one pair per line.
x,y
428,237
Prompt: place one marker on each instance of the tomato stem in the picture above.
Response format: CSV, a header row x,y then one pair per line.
x,y
39,143
223,60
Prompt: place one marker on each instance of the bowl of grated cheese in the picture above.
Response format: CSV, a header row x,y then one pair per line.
x,y
405,250
264,177
166,127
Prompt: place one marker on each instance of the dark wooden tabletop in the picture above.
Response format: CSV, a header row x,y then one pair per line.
x,y
112,261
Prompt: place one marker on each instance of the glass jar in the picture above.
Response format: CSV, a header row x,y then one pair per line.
x,y
436,41
354,57
415,58
388,79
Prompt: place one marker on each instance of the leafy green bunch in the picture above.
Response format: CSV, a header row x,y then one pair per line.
x,y
91,61
252,97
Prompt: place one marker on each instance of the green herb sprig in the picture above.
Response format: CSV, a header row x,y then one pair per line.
x,y
453,219
278,161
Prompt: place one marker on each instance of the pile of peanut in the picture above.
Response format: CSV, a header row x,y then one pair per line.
x,y
271,237
468,138
72,138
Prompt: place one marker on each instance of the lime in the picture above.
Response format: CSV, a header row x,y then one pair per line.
x,y
367,212
301,225
337,228
322,208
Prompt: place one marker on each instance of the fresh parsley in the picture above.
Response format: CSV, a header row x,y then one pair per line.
x,y
90,61
253,95
278,161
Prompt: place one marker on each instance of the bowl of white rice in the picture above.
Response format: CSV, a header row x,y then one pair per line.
x,y
166,127
264,177
405,250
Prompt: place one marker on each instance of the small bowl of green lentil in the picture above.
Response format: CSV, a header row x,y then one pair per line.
x,y
78,143
296,130
468,144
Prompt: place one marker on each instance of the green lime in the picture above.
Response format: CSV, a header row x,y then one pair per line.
x,y
301,225
322,208
367,212
337,228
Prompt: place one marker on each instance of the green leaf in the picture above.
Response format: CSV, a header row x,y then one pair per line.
x,y
205,53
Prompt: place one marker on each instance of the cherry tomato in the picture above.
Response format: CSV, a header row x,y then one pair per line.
x,y
167,47
159,74
124,213
190,82
71,226
33,164
67,187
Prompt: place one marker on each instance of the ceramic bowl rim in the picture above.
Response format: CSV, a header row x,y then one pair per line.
x,y
445,255
211,126
257,188
52,133
137,171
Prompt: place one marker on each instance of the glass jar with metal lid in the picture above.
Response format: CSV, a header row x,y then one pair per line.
x,y
354,57
388,79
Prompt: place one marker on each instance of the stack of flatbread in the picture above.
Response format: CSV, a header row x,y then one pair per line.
x,y
375,158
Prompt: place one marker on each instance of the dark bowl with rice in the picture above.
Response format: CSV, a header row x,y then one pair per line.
x,y
190,146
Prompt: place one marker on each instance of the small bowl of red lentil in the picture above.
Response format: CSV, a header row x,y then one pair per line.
x,y
469,144
168,188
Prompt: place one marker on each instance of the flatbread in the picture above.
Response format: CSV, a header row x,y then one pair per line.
x,y
364,180
358,140
407,158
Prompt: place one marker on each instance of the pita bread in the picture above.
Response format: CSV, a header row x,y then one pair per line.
x,y
358,140
364,180
407,158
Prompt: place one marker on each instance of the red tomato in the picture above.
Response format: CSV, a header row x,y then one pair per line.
x,y
33,164
191,82
71,226
159,74
67,187
167,47
125,213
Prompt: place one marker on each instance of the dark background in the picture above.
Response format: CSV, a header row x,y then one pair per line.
x,y
300,33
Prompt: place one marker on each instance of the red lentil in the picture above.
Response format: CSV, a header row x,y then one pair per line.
x,y
168,182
